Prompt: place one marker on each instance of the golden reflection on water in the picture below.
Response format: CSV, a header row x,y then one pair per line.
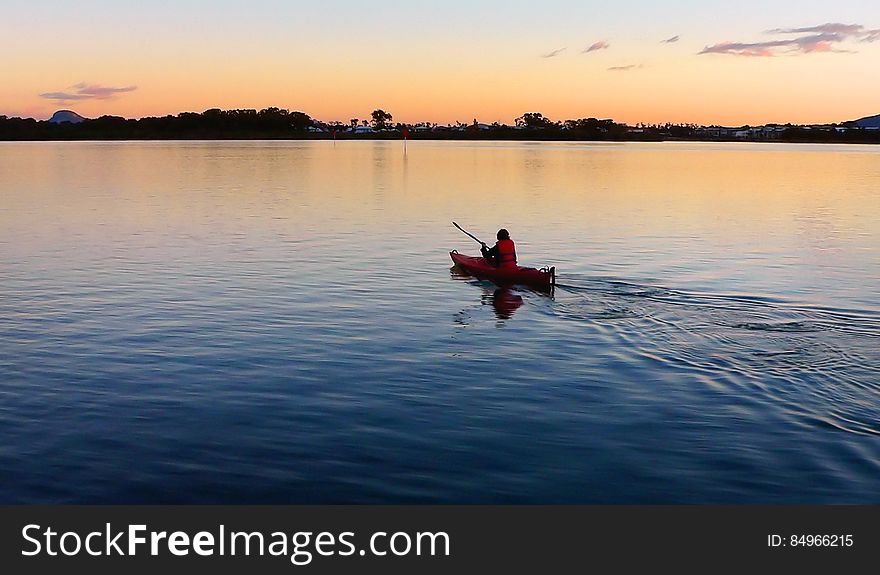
x,y
581,205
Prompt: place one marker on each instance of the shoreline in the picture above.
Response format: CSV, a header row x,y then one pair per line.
x,y
374,138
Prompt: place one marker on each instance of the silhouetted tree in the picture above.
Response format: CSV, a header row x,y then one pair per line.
x,y
533,120
300,120
381,119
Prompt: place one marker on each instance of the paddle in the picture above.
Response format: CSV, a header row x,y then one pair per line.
x,y
475,238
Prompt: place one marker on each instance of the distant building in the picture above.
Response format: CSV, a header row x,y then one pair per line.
x,y
768,132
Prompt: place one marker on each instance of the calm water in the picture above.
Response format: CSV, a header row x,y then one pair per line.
x,y
277,322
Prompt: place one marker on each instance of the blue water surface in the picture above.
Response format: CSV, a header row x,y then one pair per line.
x,y
277,322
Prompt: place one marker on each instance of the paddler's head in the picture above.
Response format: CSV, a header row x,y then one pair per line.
x,y
503,234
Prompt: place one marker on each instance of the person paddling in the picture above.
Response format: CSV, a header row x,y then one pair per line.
x,y
503,253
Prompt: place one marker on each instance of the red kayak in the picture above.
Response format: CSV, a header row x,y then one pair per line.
x,y
506,276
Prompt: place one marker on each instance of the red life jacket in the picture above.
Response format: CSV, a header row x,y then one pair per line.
x,y
506,253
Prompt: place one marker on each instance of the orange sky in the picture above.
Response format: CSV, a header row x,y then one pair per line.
x,y
447,62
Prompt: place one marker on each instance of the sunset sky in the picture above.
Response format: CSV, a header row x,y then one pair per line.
x,y
745,62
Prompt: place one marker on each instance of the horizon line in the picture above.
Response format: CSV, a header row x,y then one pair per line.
x,y
456,122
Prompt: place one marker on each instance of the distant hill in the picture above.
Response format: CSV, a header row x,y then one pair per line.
x,y
869,122
66,116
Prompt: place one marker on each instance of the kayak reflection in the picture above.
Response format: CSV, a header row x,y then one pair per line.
x,y
505,302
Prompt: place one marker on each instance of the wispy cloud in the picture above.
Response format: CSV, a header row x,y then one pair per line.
x,y
829,28
600,45
554,53
64,96
624,68
672,40
854,31
803,45
810,39
83,91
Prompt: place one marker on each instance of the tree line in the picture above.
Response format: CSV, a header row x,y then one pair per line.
x,y
279,123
